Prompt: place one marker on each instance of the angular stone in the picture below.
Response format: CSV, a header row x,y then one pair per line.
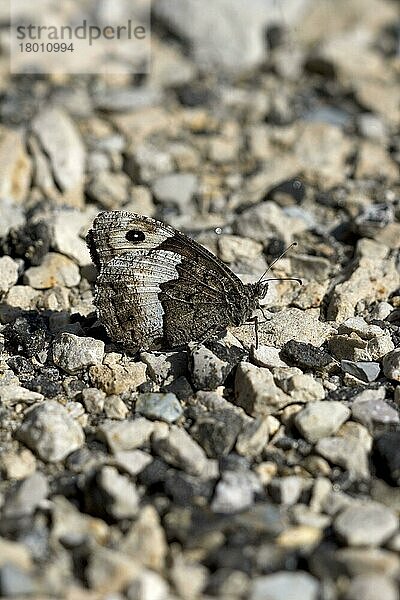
x,y
253,438
321,419
8,274
73,353
366,371
286,490
67,227
303,388
368,525
55,269
116,495
13,394
145,540
132,461
15,166
109,571
115,377
235,491
305,356
181,451
164,407
125,435
60,140
267,356
391,365
370,281
387,457
374,414
347,453
256,391
50,432
27,496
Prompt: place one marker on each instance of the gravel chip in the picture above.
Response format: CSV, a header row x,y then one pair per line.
x,y
374,414
12,394
234,492
267,356
391,365
217,431
114,494
115,377
207,370
175,189
59,137
368,525
50,432
27,496
347,453
294,324
8,273
164,407
72,353
253,437
365,371
387,456
67,226
180,450
304,355
290,586
321,419
55,270
132,461
256,391
125,435
286,490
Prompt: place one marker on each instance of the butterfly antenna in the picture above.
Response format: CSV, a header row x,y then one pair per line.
x,y
300,281
276,260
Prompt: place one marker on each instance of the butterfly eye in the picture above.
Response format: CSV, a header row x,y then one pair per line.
x,y
135,235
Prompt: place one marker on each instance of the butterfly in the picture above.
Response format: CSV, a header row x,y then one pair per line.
x,y
157,287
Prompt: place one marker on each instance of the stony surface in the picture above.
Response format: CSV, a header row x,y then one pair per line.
x,y
164,407
321,419
50,432
72,353
217,469
368,525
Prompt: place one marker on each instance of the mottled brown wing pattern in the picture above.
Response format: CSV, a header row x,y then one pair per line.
x,y
158,287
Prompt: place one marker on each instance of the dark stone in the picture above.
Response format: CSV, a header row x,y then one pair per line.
x,y
306,356
230,354
180,387
27,335
21,366
31,242
195,94
45,386
216,432
234,462
294,188
154,474
275,247
345,393
184,488
387,457
364,370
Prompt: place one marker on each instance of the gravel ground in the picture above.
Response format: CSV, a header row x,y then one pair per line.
x,y
220,470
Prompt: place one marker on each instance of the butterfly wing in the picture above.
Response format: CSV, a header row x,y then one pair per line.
x,y
157,286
